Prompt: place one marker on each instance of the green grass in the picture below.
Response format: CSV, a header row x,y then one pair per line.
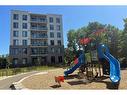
x,y
14,71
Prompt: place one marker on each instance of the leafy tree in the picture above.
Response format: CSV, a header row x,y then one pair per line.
x,y
113,37
123,40
3,62
110,37
68,56
9,61
72,40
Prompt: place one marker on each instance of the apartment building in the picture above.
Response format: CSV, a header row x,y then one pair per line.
x,y
36,38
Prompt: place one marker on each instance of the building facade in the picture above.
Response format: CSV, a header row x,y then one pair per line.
x,y
36,38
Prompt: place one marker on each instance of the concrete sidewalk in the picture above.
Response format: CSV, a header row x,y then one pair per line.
x,y
6,82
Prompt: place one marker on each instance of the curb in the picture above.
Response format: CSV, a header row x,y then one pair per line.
x,y
5,77
18,85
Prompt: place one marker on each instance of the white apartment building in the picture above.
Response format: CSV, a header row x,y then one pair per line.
x,y
36,38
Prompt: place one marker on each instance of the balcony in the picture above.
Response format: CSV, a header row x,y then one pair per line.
x,y
39,51
39,36
38,20
39,28
39,43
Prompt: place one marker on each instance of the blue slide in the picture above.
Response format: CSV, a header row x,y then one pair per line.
x,y
103,52
81,60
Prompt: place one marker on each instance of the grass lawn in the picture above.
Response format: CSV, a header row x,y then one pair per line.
x,y
13,71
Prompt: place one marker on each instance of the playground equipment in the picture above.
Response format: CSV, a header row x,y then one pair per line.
x,y
103,52
80,61
97,52
59,79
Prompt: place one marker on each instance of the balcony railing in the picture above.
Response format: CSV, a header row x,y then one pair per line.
x,y
39,20
39,36
38,53
39,28
39,44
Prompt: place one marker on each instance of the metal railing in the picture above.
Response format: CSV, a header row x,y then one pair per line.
x,y
39,28
39,20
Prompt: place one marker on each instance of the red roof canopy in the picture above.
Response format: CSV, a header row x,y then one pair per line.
x,y
87,40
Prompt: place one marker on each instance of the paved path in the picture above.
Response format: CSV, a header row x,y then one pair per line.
x,y
6,83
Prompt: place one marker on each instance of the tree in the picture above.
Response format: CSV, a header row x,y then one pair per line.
x,y
113,39
68,56
111,36
123,41
9,61
72,40
3,61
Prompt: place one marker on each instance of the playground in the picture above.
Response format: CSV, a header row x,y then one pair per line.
x,y
46,81
94,67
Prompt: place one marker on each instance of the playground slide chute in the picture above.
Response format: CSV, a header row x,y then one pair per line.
x,y
80,61
103,52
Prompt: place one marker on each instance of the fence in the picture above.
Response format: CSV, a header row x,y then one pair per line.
x,y
14,71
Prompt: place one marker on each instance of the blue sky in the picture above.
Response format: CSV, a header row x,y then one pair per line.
x,y
73,17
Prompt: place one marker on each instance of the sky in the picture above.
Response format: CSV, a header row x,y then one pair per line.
x,y
74,17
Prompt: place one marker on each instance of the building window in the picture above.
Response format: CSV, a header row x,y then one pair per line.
x,y
24,42
59,50
24,17
33,18
15,33
33,26
59,42
51,27
34,50
15,16
15,51
24,50
15,42
45,43
24,60
24,34
52,59
51,19
42,51
24,25
52,50
58,35
42,19
57,20
51,35
60,59
52,42
15,61
58,27
15,25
